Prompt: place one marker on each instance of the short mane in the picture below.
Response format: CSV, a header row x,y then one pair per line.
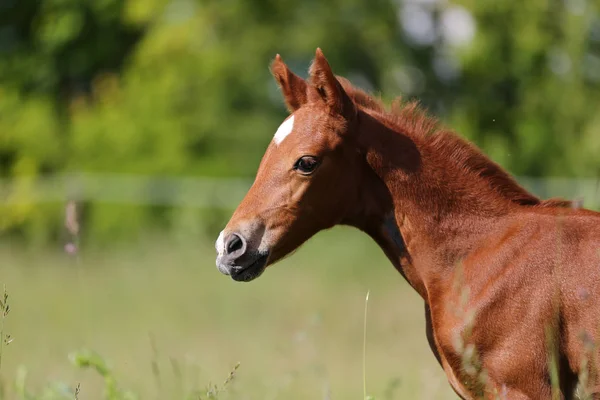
x,y
410,119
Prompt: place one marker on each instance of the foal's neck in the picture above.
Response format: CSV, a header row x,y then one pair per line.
x,y
431,211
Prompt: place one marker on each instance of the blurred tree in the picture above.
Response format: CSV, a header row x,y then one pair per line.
x,y
163,87
174,87
530,86
50,52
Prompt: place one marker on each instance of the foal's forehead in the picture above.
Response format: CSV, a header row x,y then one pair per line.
x,y
301,125
284,130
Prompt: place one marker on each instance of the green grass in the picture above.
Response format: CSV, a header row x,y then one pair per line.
x,y
166,323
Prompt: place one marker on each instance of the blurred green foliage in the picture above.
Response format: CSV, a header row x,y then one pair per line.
x,y
182,87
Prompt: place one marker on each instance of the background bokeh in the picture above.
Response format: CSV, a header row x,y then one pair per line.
x,y
149,117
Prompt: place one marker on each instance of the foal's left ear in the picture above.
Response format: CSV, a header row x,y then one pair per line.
x,y
329,88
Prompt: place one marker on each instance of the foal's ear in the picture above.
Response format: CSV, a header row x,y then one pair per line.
x,y
292,86
329,88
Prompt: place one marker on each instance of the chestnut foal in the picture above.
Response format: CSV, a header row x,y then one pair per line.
x,y
509,281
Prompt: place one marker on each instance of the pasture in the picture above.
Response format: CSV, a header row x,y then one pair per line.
x,y
168,323
132,129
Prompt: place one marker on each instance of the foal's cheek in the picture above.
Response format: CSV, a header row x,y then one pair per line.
x,y
298,190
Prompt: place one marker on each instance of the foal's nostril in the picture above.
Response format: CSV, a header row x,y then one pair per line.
x,y
234,243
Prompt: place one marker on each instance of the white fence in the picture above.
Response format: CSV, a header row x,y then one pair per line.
x,y
128,189
204,192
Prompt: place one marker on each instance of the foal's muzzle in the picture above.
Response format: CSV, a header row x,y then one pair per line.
x,y
235,259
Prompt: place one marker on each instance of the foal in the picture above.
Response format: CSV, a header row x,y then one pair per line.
x,y
509,281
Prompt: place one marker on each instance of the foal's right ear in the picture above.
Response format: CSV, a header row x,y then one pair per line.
x,y
292,86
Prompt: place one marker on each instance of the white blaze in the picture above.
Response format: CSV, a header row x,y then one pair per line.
x,y
284,130
220,244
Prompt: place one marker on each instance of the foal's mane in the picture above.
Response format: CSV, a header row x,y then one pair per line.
x,y
410,119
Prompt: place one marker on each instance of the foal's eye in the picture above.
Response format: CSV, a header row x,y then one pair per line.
x,y
306,165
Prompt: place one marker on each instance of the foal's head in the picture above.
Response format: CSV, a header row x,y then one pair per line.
x,y
306,181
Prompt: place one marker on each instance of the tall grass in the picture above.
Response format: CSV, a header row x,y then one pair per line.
x,y
5,338
86,359
203,324
365,397
297,331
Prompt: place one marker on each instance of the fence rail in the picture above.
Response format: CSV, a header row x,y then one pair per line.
x,y
205,192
